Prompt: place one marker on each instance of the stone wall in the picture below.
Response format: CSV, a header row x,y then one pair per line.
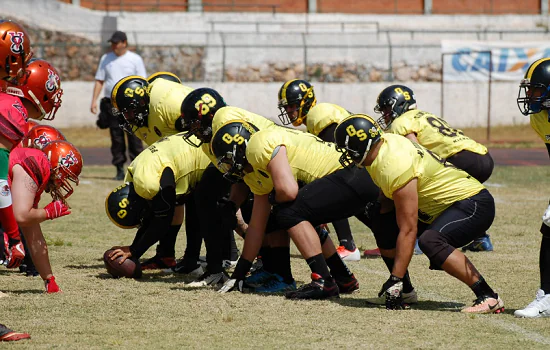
x,y
77,58
333,73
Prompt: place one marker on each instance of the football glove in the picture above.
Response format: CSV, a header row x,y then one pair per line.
x,y
234,285
546,217
392,289
16,253
51,286
56,209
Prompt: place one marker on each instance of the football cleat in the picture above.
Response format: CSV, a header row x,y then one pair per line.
x,y
258,278
158,263
276,285
209,280
485,305
317,289
7,334
540,307
186,269
229,264
372,253
407,298
347,285
348,255
481,244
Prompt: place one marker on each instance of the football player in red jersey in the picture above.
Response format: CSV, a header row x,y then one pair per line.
x,y
31,172
15,52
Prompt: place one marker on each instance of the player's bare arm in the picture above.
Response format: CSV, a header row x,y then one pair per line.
x,y
406,205
286,187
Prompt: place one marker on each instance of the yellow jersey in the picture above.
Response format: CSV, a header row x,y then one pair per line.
x,y
187,162
439,184
540,123
434,133
322,115
164,109
310,158
228,113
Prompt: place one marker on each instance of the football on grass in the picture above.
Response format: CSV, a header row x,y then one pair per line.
x,y
130,268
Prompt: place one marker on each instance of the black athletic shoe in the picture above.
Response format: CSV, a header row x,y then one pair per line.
x,y
186,268
347,285
316,290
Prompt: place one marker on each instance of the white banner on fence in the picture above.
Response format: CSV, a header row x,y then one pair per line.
x,y
470,60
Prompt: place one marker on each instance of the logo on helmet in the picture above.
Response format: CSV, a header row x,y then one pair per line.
x,y
17,42
68,160
53,81
42,140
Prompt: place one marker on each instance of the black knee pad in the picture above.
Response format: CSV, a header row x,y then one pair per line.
x,y
323,234
545,230
435,247
286,217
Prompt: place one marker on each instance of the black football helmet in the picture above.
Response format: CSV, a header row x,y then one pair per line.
x,y
130,98
229,146
392,102
165,76
298,94
198,110
533,95
125,208
354,137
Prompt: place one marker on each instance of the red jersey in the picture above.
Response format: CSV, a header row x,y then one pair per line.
x,y
13,118
35,163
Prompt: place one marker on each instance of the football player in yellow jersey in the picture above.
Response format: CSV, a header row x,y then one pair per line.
x,y
273,162
161,179
397,104
534,100
149,110
203,110
152,111
443,205
298,105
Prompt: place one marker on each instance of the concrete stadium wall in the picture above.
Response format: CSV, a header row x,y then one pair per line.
x,y
465,104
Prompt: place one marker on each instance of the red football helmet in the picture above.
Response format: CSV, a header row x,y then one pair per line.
x,y
15,51
41,135
66,165
42,88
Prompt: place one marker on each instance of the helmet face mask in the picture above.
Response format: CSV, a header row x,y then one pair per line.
x,y
532,98
229,146
296,98
534,88
198,110
232,165
392,102
130,100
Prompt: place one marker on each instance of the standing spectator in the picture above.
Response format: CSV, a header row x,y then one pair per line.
x,y
113,66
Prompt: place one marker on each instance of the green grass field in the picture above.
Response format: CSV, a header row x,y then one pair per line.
x,y
98,312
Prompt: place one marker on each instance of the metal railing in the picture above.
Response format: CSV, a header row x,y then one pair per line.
x,y
300,26
158,5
